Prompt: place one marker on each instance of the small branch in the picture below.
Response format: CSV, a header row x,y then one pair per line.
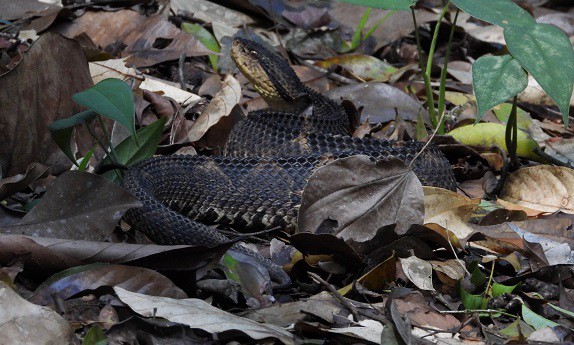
x,y
336,294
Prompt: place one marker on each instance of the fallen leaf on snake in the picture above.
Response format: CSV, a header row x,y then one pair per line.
x,y
354,197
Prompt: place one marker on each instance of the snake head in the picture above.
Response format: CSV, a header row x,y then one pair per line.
x,y
270,75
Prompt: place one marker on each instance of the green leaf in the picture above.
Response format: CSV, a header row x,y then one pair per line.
x,y
564,311
401,5
61,131
502,112
545,51
536,320
491,134
205,37
495,79
111,98
129,153
517,329
500,12
499,289
477,278
95,336
470,301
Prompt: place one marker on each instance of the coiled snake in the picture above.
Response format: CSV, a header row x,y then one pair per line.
x,y
268,158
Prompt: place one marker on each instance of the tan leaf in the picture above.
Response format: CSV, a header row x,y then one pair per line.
x,y
197,313
220,106
543,187
418,271
22,322
449,209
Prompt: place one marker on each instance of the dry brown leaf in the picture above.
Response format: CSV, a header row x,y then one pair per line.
x,y
355,197
197,313
220,106
31,100
78,205
543,187
12,185
22,322
134,279
449,209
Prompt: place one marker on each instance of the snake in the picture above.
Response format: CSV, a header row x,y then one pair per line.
x,y
268,158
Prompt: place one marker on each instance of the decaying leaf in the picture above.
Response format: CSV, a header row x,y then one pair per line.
x,y
78,205
197,313
22,322
356,197
545,188
449,209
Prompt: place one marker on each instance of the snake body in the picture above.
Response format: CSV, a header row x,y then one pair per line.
x,y
268,159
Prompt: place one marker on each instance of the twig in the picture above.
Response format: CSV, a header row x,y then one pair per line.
x,y
428,141
336,294
180,72
485,311
336,77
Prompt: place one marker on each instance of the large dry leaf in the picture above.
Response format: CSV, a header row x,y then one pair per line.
x,y
135,279
450,210
22,322
31,100
220,106
357,197
78,205
50,255
197,313
544,188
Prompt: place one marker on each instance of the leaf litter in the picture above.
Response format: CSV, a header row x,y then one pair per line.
x,y
362,269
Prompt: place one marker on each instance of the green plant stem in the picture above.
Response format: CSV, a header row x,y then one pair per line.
x,y
426,78
487,290
442,87
511,135
377,24
112,152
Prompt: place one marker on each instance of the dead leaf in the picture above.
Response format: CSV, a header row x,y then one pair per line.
x,y
418,271
131,278
449,210
12,185
220,106
380,102
197,313
22,322
545,188
356,197
78,205
30,102
141,43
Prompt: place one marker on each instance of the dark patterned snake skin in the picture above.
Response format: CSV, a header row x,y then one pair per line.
x,y
268,158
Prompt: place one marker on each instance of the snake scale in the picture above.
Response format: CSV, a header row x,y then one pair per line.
x,y
267,161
